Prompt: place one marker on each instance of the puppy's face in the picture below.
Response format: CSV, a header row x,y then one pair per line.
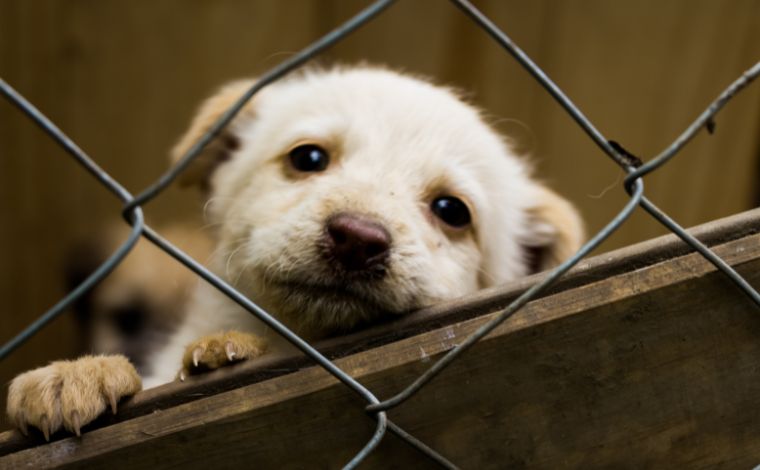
x,y
135,308
345,194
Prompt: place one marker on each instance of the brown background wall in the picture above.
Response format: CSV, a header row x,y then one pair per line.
x,y
123,77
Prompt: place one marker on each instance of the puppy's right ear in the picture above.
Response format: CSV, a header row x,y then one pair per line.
x,y
221,148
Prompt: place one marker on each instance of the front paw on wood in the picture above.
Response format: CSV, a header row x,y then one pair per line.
x,y
219,350
70,394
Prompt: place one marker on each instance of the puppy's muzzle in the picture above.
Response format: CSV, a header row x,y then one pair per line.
x,y
356,243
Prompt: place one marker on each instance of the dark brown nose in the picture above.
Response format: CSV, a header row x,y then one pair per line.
x,y
356,242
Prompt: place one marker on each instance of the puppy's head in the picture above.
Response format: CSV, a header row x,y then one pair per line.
x,y
135,308
343,194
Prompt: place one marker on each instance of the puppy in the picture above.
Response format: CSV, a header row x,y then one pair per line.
x,y
141,304
338,196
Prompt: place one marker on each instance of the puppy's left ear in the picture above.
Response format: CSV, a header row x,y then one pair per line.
x,y
223,145
555,230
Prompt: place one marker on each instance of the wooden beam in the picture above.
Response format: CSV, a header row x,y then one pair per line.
x,y
642,357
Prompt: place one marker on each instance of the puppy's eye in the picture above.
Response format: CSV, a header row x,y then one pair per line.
x,y
451,210
309,158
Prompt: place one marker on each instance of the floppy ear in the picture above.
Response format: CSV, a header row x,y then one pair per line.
x,y
555,230
221,148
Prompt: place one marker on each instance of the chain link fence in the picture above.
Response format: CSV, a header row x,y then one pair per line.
x,y
376,408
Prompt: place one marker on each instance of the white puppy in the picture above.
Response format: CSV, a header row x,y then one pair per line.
x,y
338,196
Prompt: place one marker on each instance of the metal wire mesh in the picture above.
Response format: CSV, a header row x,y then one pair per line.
x,y
132,212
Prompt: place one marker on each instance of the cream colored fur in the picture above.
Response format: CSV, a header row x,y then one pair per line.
x,y
149,285
395,144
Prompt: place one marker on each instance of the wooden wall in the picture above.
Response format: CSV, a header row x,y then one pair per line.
x,y
123,78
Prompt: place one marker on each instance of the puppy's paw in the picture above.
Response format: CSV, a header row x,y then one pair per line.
x,y
70,394
220,349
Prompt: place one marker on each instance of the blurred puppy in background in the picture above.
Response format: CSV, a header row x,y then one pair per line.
x,y
141,304
338,197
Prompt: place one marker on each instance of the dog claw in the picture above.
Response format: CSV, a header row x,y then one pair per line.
x,y
229,349
76,423
45,428
112,401
197,353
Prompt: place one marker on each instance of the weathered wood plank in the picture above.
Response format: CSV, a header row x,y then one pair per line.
x,y
653,367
